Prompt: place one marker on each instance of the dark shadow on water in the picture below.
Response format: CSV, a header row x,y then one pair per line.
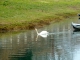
x,y
25,56
76,31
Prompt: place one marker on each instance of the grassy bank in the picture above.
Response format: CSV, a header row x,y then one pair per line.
x,y
22,14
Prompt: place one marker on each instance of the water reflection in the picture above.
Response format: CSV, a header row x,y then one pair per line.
x,y
22,46
76,51
61,44
22,55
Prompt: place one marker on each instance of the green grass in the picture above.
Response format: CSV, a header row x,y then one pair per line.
x,y
17,13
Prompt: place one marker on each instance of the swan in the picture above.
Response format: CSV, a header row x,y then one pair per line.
x,y
42,33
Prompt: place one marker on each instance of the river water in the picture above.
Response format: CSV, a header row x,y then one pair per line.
x,y
62,43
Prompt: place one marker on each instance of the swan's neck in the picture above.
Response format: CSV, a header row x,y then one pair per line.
x,y
36,31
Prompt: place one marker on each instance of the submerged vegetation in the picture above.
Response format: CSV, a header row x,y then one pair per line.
x,y
26,14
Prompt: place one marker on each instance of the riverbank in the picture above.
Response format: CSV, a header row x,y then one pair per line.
x,y
21,15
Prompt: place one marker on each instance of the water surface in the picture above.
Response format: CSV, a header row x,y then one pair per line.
x,y
61,44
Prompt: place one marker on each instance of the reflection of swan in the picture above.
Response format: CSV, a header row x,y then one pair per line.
x,y
43,33
76,33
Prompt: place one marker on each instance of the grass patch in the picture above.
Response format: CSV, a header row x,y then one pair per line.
x,y
22,14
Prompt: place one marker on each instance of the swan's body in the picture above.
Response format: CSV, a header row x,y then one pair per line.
x,y
43,33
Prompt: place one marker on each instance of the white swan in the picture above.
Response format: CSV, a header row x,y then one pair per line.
x,y
42,33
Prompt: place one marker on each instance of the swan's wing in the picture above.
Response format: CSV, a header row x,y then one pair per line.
x,y
75,23
43,32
